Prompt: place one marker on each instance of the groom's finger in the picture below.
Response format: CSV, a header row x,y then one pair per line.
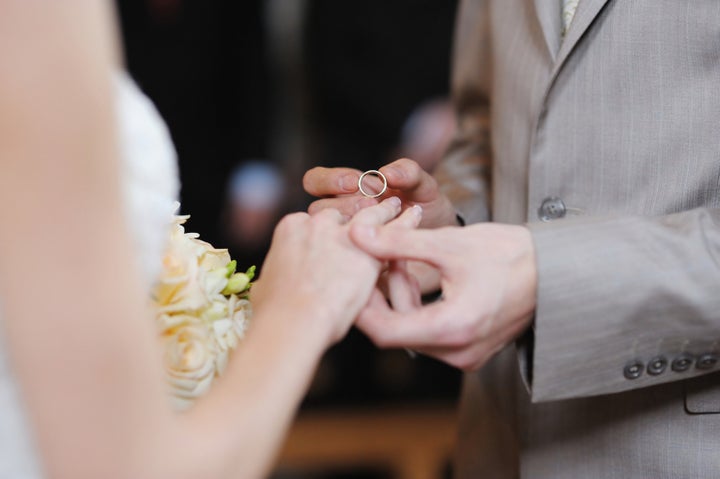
x,y
347,205
429,246
407,176
422,328
325,182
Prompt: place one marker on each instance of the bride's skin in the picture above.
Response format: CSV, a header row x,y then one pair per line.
x,y
79,336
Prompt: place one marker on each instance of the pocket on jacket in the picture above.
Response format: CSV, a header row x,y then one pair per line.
x,y
702,394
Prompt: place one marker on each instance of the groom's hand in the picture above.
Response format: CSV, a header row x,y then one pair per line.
x,y
338,189
488,279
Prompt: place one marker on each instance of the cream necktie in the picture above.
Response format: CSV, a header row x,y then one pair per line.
x,y
568,12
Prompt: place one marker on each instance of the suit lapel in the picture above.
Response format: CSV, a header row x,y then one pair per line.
x,y
586,12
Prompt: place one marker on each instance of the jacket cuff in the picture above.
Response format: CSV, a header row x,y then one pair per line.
x,y
623,303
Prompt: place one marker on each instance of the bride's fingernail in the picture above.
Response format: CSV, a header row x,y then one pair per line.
x,y
417,210
395,201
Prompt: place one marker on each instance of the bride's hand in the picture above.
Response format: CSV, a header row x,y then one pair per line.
x,y
313,272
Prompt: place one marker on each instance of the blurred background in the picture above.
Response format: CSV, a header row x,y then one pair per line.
x,y
255,92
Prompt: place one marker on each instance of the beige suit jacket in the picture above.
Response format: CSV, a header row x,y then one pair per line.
x,y
607,143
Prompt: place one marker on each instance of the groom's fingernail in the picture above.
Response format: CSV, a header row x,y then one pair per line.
x,y
348,183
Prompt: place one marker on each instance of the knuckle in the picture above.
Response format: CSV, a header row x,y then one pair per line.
x,y
381,341
291,221
455,362
405,163
467,365
327,214
464,360
410,167
368,327
457,333
315,207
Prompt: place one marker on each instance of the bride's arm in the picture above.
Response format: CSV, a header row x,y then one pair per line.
x,y
77,331
80,339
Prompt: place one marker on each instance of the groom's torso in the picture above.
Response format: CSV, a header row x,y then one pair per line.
x,y
610,119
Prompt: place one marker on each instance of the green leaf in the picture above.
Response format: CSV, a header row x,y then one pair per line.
x,y
231,268
250,272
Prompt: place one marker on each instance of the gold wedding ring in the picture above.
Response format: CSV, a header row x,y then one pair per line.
x,y
374,173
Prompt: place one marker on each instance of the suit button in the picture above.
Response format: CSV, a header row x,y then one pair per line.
x,y
657,365
551,209
633,369
682,363
706,361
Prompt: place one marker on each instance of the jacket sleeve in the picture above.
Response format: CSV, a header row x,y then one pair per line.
x,y
625,303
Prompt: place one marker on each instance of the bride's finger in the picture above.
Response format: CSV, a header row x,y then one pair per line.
x,y
378,214
330,215
403,291
410,218
403,288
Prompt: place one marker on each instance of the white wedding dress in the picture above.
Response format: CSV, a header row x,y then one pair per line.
x,y
150,179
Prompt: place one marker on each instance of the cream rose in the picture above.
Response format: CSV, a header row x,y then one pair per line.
x,y
190,358
202,311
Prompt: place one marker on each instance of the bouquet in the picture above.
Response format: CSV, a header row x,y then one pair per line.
x,y
202,310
